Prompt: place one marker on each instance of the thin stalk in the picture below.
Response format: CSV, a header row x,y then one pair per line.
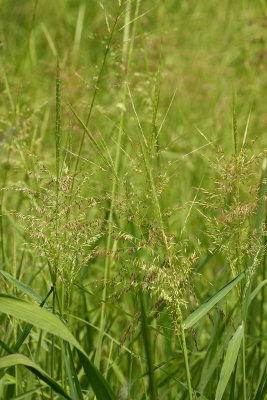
x,y
125,61
57,140
244,367
262,319
53,343
94,96
58,121
244,358
62,342
143,144
147,344
234,124
3,183
238,249
184,348
2,235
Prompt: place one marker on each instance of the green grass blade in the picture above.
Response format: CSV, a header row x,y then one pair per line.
x,y
79,28
148,170
49,40
234,123
94,378
36,316
58,120
147,344
216,352
49,322
258,227
74,373
205,308
19,359
261,205
91,137
25,288
22,286
73,391
234,381
28,393
35,356
96,90
262,386
154,128
108,259
111,338
26,330
229,361
256,291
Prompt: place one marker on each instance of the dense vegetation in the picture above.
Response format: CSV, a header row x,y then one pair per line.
x,y
133,180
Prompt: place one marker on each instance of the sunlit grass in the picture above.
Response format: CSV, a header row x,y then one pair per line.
x,y
133,181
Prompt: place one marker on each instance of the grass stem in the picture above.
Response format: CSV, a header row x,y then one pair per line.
x,y
148,350
188,377
244,360
113,194
53,342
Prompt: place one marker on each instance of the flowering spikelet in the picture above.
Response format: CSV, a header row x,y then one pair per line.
x,y
153,261
60,225
233,203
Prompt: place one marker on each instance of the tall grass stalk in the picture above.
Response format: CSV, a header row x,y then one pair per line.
x,y
145,155
57,142
96,89
3,184
126,52
187,370
148,350
238,246
148,169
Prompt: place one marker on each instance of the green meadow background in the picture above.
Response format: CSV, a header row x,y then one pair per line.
x,y
170,77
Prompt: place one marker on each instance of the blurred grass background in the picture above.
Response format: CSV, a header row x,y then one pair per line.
x,y
204,52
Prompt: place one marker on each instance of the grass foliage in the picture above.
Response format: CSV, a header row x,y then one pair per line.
x,y
132,201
